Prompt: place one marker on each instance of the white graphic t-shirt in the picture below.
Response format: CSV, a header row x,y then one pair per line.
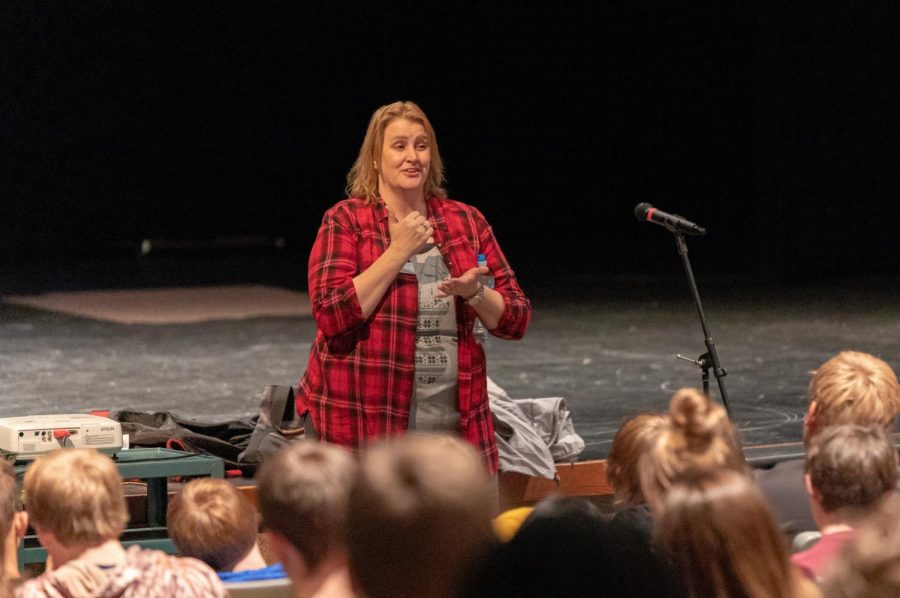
x,y
434,405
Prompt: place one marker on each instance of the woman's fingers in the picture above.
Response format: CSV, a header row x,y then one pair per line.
x,y
410,233
465,285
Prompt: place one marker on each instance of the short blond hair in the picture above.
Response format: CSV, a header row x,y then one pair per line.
x,y
697,435
854,388
76,494
420,517
210,520
362,180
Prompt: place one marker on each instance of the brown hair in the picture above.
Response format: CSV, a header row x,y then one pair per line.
x,y
869,564
9,497
698,434
852,467
854,388
420,518
362,180
633,439
210,520
9,505
722,539
302,495
76,494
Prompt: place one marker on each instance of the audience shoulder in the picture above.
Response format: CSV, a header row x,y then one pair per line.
x,y
185,577
869,564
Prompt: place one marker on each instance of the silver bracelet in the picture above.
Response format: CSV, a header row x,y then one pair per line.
x,y
477,296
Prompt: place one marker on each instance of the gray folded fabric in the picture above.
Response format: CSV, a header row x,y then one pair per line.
x,y
532,434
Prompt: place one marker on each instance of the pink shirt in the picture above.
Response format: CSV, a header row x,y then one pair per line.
x,y
813,561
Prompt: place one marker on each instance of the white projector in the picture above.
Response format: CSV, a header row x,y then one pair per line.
x,y
27,438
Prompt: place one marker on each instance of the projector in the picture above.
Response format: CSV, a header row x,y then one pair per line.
x,y
27,438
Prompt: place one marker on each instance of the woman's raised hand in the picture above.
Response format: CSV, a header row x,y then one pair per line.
x,y
409,234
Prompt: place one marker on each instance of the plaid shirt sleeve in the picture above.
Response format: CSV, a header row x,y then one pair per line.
x,y
332,266
517,311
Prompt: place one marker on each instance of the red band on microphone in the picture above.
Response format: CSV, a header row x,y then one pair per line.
x,y
650,214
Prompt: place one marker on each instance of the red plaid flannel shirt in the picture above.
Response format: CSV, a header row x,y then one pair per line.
x,y
359,381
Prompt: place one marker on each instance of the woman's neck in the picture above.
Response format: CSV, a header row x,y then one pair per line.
x,y
402,204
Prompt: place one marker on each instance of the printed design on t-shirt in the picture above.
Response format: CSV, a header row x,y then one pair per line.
x,y
437,318
434,306
430,364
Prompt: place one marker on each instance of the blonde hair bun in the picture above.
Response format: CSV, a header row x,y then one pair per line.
x,y
695,417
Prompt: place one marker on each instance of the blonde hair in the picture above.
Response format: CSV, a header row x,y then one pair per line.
x,y
210,520
854,388
302,495
698,434
420,517
633,439
76,494
362,180
722,539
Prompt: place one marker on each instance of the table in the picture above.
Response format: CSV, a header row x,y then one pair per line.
x,y
154,466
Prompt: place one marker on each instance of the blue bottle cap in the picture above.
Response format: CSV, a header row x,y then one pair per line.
x,y
481,258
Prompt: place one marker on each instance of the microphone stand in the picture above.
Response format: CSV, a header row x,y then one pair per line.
x,y
710,359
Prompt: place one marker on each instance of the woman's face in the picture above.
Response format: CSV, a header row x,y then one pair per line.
x,y
405,157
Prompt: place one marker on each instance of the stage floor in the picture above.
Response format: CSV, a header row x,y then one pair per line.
x,y
609,350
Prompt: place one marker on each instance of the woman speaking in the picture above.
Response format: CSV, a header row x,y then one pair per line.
x,y
395,290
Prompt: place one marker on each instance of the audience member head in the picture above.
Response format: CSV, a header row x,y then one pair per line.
x,y
567,548
210,520
420,517
697,434
852,388
633,439
9,496
302,496
722,539
75,501
869,564
848,470
362,180
13,524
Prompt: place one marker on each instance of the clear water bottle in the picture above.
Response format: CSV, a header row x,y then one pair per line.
x,y
480,332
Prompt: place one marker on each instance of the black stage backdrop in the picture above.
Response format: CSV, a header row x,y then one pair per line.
x,y
773,124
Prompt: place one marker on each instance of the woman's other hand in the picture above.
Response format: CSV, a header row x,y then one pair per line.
x,y
466,285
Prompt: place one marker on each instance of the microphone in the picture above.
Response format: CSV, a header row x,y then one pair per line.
x,y
673,222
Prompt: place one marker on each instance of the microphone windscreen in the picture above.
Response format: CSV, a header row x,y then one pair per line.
x,y
640,210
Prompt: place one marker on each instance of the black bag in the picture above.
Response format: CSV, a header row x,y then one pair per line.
x,y
277,425
242,444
